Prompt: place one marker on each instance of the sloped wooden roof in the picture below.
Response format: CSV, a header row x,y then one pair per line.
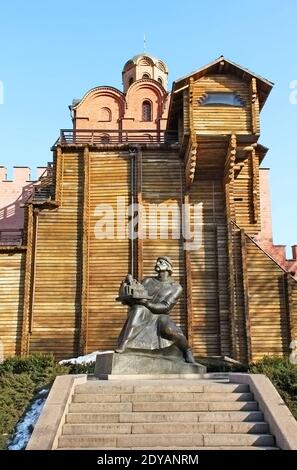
x,y
221,66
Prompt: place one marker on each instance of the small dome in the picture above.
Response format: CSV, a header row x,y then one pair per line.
x,y
145,59
144,67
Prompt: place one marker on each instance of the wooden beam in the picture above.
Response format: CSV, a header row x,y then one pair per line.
x,y
255,185
140,221
229,177
230,211
84,320
188,280
255,121
232,287
190,161
24,349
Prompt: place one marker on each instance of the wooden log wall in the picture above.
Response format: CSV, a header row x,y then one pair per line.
x,y
221,119
268,303
109,259
246,193
56,308
162,182
210,302
12,269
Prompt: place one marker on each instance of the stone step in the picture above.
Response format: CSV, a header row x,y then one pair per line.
x,y
146,441
158,387
196,406
100,407
155,417
161,397
163,428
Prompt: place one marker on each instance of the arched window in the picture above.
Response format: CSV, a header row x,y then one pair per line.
x,y
146,75
130,81
160,81
146,111
105,115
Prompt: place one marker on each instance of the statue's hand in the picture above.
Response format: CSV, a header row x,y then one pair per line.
x,y
142,302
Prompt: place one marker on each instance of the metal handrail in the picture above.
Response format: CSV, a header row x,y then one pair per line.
x,y
115,136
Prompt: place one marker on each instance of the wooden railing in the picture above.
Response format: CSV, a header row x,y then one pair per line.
x,y
11,237
103,137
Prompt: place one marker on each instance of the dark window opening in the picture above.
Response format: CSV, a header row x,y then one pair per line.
x,y
146,111
222,99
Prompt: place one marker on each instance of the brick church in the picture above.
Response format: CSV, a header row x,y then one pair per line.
x,y
196,147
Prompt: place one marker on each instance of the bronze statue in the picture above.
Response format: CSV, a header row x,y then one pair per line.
x,y
148,325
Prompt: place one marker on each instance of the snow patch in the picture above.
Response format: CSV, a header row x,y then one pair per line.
x,y
25,426
84,359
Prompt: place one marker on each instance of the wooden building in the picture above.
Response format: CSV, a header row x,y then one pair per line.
x,y
197,147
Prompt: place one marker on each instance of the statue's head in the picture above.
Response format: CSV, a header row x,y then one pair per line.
x,y
163,263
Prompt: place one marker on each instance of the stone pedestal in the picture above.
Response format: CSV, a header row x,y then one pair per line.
x,y
135,362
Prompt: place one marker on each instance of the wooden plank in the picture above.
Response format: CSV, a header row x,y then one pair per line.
x,y
140,223
188,285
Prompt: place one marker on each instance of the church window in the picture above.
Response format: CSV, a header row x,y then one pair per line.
x,y
146,75
160,81
130,81
146,111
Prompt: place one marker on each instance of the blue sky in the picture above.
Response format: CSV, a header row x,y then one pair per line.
x,y
52,52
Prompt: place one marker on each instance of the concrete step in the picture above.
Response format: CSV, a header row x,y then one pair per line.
x,y
146,441
159,386
161,397
196,406
155,417
100,407
163,428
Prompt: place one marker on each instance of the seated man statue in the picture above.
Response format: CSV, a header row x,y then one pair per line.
x,y
148,325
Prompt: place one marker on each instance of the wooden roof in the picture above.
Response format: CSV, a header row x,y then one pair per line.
x,y
219,66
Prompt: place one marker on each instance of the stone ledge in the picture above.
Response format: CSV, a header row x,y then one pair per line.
x,y
281,422
135,363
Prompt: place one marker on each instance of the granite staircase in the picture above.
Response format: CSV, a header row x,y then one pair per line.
x,y
164,414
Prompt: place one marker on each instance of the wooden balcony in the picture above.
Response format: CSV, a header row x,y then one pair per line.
x,y
114,137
